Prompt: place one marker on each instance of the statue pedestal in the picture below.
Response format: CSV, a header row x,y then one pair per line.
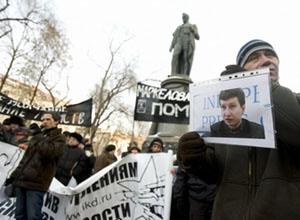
x,y
180,83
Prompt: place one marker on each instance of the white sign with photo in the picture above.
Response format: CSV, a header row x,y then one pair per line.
x,y
206,110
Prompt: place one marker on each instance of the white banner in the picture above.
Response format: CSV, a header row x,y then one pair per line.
x,y
137,187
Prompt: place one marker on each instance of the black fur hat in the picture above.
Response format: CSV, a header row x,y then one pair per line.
x,y
77,136
16,120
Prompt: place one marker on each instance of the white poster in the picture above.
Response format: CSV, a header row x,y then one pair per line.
x,y
210,104
137,187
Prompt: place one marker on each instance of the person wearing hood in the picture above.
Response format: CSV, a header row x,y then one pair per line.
x,y
156,145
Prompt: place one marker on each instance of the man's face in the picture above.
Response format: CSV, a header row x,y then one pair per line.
x,y
73,141
48,121
264,58
112,152
134,151
232,112
6,127
14,126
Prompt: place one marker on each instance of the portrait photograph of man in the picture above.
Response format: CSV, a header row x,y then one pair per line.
x,y
234,110
233,104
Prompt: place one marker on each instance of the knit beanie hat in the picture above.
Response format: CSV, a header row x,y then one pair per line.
x,y
110,147
251,47
77,136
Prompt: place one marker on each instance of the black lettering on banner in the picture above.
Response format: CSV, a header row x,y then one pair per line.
x,y
116,212
78,114
126,170
7,208
161,105
51,202
73,216
46,216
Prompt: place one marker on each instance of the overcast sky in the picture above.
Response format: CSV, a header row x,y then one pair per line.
x,y
224,26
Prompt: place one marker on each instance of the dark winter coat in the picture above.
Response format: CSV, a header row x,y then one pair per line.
x,y
247,129
89,166
38,165
104,160
186,187
72,163
260,183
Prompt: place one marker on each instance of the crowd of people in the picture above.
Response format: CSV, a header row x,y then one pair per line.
x,y
212,181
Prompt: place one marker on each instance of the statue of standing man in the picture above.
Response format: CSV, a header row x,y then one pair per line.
x,y
183,44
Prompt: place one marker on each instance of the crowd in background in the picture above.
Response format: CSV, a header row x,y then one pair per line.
x,y
78,163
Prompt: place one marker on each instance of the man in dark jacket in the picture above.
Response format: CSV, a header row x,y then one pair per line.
x,y
254,183
232,103
106,158
6,134
34,174
73,161
193,196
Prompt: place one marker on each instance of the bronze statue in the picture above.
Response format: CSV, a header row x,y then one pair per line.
x,y
184,46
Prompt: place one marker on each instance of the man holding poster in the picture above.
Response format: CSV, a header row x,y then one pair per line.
x,y
253,183
232,102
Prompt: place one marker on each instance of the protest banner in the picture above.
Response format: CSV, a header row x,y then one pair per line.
x,y
79,114
206,108
136,187
161,105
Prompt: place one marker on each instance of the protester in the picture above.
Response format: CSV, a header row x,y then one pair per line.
x,y
34,129
16,122
134,150
89,163
6,124
131,144
21,137
193,197
106,158
156,146
67,135
34,173
253,183
6,134
73,161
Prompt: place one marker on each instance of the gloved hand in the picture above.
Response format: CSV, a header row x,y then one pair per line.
x,y
230,69
190,146
9,181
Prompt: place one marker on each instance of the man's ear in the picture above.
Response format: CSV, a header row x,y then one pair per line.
x,y
243,108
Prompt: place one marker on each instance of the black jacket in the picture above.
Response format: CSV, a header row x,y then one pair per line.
x,y
260,183
72,163
247,129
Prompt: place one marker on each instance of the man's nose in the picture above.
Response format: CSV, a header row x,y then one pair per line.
x,y
226,111
265,61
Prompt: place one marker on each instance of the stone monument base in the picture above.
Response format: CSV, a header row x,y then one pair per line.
x,y
180,83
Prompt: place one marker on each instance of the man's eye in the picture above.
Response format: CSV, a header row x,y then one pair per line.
x,y
269,53
251,58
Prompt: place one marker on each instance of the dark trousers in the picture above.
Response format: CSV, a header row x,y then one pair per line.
x,y
200,210
29,204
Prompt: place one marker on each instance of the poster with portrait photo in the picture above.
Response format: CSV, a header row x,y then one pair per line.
x,y
235,110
